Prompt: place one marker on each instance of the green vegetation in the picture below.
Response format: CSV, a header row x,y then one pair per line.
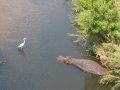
x,y
98,21
109,55
3,62
112,80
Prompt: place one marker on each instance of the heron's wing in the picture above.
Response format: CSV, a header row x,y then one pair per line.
x,y
21,45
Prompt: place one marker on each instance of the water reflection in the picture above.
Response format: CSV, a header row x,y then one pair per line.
x,y
22,53
91,83
67,1
10,12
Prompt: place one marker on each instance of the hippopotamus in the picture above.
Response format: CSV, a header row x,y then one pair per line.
x,y
84,64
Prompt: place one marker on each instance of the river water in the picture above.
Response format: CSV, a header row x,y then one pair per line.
x,y
45,24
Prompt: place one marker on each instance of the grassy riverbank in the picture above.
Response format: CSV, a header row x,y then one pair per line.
x,y
98,23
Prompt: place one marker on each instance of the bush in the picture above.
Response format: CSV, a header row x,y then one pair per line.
x,y
112,80
108,53
98,19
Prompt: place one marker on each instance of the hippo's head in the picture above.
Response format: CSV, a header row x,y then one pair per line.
x,y
64,59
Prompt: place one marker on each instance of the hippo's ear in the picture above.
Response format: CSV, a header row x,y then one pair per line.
x,y
68,57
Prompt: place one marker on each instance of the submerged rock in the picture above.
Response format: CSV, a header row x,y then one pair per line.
x,y
3,58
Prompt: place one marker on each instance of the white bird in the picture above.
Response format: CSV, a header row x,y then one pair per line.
x,y
21,46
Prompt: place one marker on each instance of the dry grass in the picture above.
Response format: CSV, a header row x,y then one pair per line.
x,y
109,55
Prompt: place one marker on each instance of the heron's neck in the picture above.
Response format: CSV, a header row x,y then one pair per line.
x,y
23,41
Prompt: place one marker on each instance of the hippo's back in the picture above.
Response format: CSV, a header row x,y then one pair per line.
x,y
89,66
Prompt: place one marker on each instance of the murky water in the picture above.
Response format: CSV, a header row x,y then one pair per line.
x,y
45,23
